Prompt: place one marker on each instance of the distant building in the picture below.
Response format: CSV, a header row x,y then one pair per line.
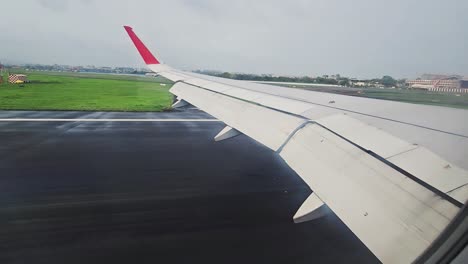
x,y
449,84
17,78
439,83
464,83
433,77
360,84
335,77
151,74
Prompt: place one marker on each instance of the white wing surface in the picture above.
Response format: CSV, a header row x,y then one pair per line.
x,y
394,173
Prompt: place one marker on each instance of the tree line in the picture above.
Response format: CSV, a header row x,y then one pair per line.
x,y
386,81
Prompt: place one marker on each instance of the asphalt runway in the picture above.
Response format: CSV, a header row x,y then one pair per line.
x,y
153,192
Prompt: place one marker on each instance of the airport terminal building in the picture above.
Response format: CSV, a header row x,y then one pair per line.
x,y
440,83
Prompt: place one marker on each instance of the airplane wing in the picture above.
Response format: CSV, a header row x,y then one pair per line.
x,y
395,173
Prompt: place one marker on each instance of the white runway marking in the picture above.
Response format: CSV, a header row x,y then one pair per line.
x,y
102,120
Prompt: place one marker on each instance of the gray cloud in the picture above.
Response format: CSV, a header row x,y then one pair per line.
x,y
59,5
364,38
54,5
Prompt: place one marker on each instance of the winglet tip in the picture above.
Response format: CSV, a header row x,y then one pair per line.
x,y
147,56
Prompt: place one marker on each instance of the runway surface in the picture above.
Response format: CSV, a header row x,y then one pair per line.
x,y
153,192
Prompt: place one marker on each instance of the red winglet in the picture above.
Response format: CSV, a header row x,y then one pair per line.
x,y
148,57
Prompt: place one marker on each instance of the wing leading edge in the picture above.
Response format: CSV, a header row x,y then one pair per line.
x,y
375,180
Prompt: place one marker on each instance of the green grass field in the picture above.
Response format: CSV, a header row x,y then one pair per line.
x,y
106,92
86,92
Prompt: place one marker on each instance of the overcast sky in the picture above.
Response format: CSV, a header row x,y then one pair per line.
x,y
359,38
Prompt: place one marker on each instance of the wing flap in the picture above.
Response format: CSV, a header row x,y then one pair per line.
x,y
368,195
432,169
412,158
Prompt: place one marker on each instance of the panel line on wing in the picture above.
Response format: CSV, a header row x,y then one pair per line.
x,y
244,100
347,110
294,133
400,170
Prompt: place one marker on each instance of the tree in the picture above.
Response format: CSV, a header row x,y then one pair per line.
x,y
227,75
388,81
344,82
